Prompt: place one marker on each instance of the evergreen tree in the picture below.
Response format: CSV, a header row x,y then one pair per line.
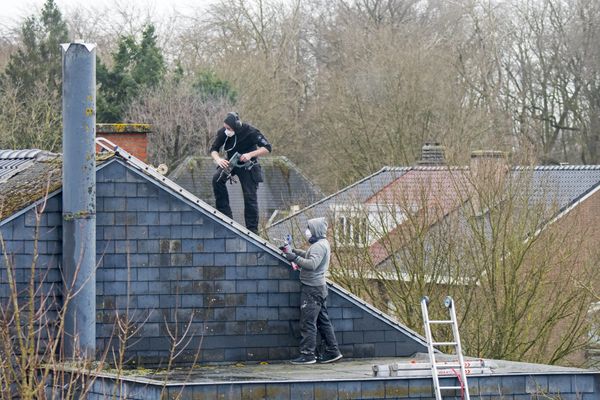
x,y
38,60
30,86
136,67
211,87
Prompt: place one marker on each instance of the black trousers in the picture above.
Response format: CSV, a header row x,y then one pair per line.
x,y
314,318
249,188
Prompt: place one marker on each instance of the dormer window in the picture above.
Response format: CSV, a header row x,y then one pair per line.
x,y
350,225
351,230
363,224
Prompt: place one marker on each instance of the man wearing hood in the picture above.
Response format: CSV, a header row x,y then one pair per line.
x,y
238,137
314,264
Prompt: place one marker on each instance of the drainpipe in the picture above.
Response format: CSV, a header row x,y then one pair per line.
x,y
79,199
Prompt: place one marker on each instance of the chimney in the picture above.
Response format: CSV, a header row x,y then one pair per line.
x,y
132,138
432,154
488,163
488,170
79,199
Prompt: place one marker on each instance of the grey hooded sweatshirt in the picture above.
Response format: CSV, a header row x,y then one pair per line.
x,y
314,262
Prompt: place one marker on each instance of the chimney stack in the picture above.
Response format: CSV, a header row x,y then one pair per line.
x,y
432,154
132,138
488,163
488,170
79,199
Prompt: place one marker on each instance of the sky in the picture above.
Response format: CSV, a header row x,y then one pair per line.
x,y
12,12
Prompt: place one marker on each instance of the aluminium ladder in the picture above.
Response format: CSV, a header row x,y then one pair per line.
x,y
444,366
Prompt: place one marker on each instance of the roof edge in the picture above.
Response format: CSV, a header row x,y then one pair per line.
x,y
357,301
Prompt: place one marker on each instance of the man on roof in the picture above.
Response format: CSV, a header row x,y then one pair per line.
x,y
242,144
314,317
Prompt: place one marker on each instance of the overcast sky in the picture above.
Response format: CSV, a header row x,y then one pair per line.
x,y
12,12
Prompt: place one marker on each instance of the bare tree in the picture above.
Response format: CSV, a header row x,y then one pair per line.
x,y
183,121
34,124
484,239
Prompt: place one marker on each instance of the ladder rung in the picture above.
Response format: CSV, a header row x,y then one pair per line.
x,y
444,321
444,343
450,387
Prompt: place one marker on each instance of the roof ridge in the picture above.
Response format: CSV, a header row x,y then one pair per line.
x,y
570,167
26,154
565,167
425,168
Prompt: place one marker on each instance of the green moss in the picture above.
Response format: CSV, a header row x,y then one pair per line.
x,y
121,128
283,167
33,183
192,165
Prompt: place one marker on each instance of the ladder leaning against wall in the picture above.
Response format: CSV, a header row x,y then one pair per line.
x,y
436,366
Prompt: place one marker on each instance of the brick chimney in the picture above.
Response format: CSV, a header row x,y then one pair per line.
x,y
133,138
488,164
489,171
432,154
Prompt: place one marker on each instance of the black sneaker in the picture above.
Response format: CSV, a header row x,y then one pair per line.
x,y
304,359
329,358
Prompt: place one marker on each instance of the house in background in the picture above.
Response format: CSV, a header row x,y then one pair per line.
x,y
376,206
371,216
285,188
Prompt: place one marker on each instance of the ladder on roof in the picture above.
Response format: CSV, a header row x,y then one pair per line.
x,y
443,368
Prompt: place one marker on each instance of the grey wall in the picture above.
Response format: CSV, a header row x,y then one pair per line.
x,y
20,234
184,265
166,267
563,386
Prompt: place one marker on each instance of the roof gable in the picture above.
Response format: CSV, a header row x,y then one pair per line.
x,y
177,246
343,297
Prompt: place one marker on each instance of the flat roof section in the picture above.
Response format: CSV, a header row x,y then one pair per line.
x,y
352,379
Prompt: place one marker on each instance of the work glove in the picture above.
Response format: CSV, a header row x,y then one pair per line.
x,y
290,256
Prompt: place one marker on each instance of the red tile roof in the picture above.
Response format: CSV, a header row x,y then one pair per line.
x,y
427,195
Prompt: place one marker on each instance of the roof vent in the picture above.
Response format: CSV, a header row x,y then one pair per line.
x,y
432,154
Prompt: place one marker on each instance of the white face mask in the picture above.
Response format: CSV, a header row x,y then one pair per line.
x,y
307,234
229,133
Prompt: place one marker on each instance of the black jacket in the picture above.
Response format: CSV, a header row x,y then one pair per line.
x,y
246,139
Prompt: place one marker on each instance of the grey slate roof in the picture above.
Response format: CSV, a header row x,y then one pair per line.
x,y
25,176
284,185
118,185
561,186
28,175
13,161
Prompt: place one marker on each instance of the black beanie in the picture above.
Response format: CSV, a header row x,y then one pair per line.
x,y
233,120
